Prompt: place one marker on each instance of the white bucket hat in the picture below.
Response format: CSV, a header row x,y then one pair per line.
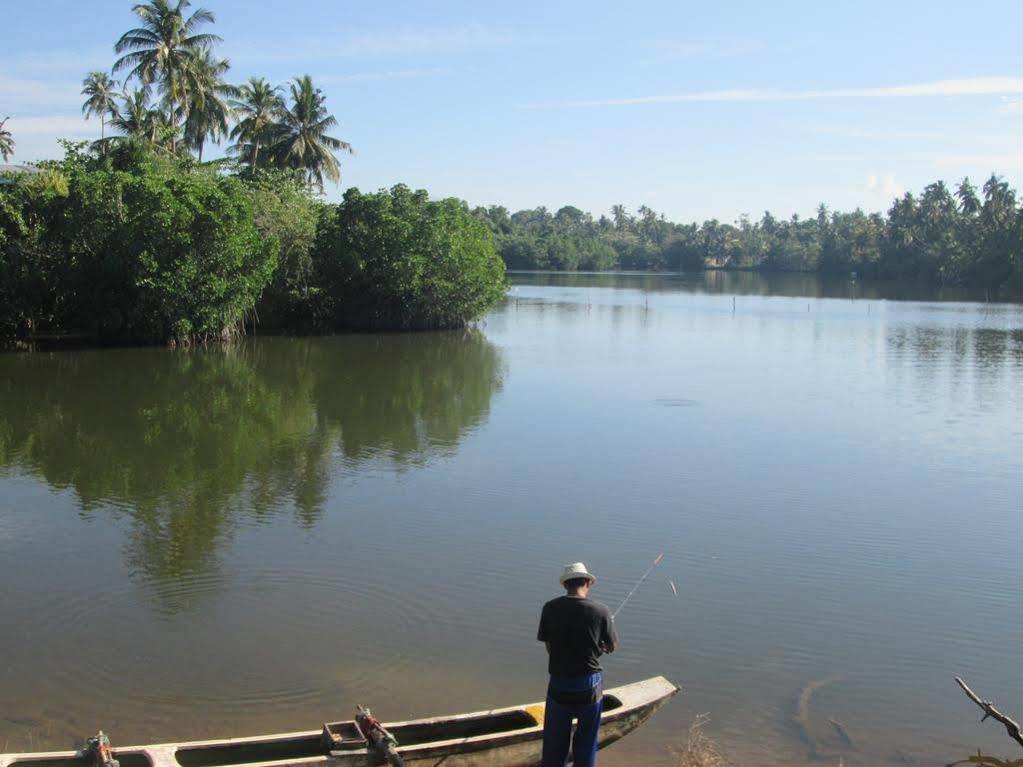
x,y
576,570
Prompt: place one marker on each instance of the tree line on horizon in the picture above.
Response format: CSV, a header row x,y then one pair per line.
x,y
963,237
181,101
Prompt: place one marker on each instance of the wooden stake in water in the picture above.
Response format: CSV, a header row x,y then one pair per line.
x,y
638,584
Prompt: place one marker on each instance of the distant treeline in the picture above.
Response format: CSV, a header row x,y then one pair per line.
x,y
963,237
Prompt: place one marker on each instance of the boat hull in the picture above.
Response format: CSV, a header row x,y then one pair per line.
x,y
509,737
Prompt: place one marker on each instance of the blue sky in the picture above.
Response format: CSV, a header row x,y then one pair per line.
x,y
697,110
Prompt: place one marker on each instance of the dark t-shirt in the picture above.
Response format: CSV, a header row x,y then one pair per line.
x,y
576,628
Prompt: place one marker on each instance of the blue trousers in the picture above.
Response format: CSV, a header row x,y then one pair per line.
x,y
557,726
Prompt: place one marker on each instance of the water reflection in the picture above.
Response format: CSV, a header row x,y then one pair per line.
x,y
748,283
190,444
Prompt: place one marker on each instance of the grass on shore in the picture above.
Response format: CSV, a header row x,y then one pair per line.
x,y
699,750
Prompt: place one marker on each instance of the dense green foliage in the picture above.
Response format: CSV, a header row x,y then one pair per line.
x,y
285,212
965,237
150,253
400,260
141,247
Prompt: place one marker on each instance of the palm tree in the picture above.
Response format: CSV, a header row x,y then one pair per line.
x,y
136,120
303,143
163,50
208,108
259,106
98,87
6,141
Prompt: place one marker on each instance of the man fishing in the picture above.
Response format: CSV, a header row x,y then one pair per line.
x,y
577,631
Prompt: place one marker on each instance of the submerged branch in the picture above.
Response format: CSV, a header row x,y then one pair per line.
x,y
1011,726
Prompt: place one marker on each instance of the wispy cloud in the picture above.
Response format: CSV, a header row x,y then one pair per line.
x,y
19,93
52,125
662,50
977,86
993,162
398,74
383,43
62,62
879,134
1012,106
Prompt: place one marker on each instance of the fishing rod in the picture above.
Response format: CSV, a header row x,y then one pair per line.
x,y
638,584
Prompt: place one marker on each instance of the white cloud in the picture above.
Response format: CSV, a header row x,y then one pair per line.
x,y
990,162
1012,106
407,42
49,126
60,63
399,74
23,93
882,189
977,86
881,134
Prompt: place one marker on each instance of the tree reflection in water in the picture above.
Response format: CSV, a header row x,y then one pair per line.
x,y
188,444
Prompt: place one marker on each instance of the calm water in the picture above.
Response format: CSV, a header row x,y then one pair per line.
x,y
199,544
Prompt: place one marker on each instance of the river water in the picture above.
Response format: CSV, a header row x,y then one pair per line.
x,y
221,543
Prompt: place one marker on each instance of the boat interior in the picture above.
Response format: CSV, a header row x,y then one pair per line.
x,y
314,745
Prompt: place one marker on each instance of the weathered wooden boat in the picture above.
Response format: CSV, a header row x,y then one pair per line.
x,y
504,737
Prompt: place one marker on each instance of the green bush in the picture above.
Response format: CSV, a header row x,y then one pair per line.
x,y
162,251
398,260
285,212
31,295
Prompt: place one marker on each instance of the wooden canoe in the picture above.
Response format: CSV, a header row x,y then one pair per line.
x,y
503,737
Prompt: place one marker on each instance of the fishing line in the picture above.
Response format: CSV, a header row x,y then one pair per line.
x,y
638,584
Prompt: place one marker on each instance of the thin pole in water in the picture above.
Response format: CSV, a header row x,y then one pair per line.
x,y
638,584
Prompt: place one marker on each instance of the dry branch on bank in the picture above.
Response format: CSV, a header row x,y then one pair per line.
x,y
1011,726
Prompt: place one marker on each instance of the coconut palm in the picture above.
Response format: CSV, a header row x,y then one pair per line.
x,y
208,109
137,121
98,88
303,143
163,50
6,141
259,106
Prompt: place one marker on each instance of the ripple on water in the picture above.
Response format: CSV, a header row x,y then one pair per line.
x,y
290,641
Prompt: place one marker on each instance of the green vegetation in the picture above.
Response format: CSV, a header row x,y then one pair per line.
x,y
940,236
301,142
100,91
194,104
146,247
6,141
398,259
135,239
147,253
